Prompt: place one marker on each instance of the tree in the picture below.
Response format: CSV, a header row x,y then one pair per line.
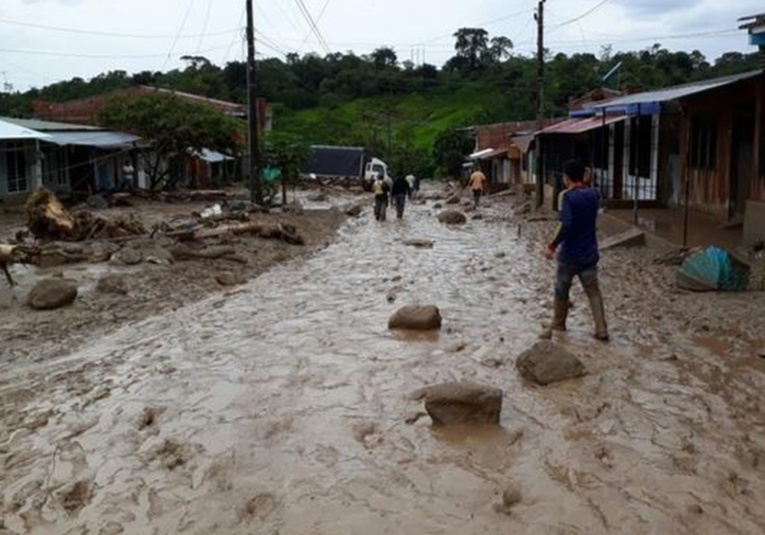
x,y
384,57
501,48
450,149
471,46
175,128
287,153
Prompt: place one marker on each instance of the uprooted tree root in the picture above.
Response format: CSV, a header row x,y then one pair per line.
x,y
47,219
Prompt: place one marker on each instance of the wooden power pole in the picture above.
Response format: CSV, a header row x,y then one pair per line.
x,y
253,121
540,17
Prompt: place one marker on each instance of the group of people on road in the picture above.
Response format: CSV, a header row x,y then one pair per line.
x,y
393,192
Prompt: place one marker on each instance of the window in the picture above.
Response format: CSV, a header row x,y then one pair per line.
x,y
54,169
16,165
703,141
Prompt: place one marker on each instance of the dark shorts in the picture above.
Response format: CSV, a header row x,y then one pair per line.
x,y
564,278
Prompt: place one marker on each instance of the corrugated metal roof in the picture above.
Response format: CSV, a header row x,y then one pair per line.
x,y
580,126
674,93
9,130
100,139
45,126
489,154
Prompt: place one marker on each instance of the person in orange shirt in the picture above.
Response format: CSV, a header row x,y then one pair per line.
x,y
477,184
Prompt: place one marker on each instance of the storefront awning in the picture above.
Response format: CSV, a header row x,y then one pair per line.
x,y
101,139
580,126
11,131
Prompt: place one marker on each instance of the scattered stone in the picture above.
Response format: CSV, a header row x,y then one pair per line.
x,y
463,403
157,255
392,294
354,211
547,363
477,217
510,498
695,509
452,217
97,202
417,318
50,294
113,284
454,199
500,255
419,243
228,279
129,256
631,238
457,347
438,206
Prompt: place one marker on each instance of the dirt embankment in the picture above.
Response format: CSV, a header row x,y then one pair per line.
x,y
127,280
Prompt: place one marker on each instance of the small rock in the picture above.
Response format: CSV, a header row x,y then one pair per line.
x,y
228,279
157,255
695,509
129,256
438,206
547,363
418,318
392,294
457,347
511,497
452,217
477,217
463,403
454,199
50,294
113,284
419,243
354,211
500,254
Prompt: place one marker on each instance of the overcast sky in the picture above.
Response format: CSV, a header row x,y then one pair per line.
x,y
135,35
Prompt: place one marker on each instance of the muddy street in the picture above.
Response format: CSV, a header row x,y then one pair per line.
x,y
285,406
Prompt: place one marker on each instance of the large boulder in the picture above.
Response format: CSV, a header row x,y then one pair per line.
x,y
452,217
416,318
463,403
547,363
50,294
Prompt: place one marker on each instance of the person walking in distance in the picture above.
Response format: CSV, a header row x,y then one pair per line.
x,y
575,242
477,185
400,192
380,189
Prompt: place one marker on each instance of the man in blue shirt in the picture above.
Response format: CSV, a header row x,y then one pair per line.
x,y
575,241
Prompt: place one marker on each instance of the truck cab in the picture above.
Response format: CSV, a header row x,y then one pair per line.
x,y
374,168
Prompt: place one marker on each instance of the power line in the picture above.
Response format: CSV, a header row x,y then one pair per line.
x,y
583,15
318,19
97,56
113,34
180,31
233,40
485,23
312,25
204,26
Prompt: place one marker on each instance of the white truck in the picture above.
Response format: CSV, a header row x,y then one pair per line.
x,y
341,163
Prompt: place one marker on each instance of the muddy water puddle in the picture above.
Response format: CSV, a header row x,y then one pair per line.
x,y
283,408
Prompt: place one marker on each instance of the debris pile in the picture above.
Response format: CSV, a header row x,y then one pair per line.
x,y
47,219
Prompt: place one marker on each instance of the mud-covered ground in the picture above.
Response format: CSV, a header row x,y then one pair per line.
x,y
283,407
35,336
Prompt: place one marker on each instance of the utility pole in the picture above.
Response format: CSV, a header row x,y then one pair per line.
x,y
253,121
540,99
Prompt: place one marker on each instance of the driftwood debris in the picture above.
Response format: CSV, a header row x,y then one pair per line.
x,y
271,231
47,219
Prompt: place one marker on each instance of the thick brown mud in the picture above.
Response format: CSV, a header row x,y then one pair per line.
x,y
283,407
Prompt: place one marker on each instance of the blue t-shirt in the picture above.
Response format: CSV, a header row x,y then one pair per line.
x,y
577,229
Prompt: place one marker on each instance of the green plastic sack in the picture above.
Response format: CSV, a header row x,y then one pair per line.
x,y
270,174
